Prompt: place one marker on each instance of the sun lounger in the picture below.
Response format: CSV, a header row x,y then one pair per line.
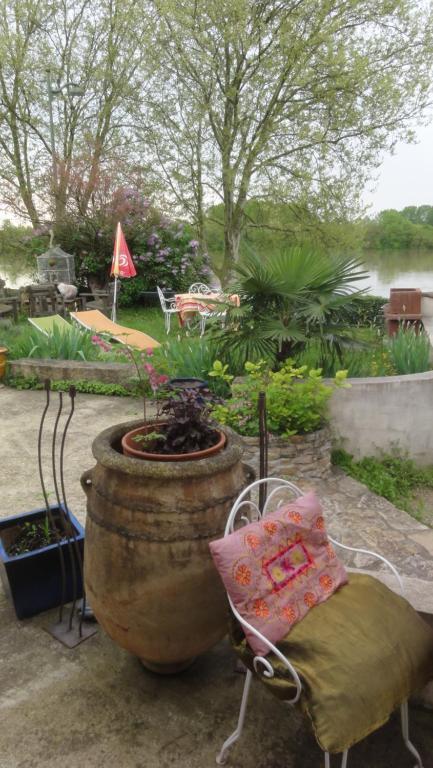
x,y
94,320
47,324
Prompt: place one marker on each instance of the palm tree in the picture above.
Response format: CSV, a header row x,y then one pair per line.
x,y
288,299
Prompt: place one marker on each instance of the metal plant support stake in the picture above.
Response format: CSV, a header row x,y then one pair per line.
x,y
263,449
47,505
70,631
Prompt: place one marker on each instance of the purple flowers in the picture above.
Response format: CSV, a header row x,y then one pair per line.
x,y
152,240
129,193
193,244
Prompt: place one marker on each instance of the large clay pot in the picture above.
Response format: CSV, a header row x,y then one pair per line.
x,y
3,355
149,576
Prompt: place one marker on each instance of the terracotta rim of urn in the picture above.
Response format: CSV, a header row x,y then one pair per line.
x,y
129,447
107,450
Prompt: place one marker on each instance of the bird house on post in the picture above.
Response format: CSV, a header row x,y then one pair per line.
x,y
56,266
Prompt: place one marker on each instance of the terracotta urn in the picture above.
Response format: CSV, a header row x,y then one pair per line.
x,y
149,575
3,356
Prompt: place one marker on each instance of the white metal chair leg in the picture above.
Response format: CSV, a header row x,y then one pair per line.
x,y
343,759
167,321
202,325
221,758
405,731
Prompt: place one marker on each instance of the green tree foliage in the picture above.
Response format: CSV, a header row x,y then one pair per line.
x,y
422,214
272,226
93,45
296,100
401,230
229,100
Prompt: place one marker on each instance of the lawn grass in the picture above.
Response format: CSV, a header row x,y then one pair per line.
x,y
150,320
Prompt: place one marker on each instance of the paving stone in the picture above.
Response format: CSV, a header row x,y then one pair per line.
x,y
425,539
96,707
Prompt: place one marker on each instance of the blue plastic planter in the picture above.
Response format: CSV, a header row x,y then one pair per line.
x,y
33,579
188,382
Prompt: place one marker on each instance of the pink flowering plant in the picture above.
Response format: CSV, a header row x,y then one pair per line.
x,y
147,377
183,422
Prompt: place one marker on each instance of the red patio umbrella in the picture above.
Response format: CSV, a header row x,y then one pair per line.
x,y
122,264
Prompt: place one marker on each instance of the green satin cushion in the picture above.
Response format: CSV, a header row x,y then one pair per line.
x,y
359,655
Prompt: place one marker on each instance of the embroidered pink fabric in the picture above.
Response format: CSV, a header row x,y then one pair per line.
x,y
277,569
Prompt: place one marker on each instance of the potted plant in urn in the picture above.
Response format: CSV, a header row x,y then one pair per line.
x,y
185,432
297,400
160,491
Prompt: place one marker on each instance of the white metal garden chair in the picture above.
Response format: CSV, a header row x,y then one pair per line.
x,y
206,314
200,288
168,307
249,511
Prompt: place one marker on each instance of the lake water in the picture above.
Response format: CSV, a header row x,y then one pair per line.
x,y
387,269
403,269
16,273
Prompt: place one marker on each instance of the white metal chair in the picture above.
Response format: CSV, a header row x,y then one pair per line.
x,y
168,307
200,288
206,314
262,665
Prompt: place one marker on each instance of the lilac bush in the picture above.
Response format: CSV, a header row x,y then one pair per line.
x,y
164,250
167,257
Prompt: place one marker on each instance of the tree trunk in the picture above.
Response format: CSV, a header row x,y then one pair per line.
x,y
232,230
231,253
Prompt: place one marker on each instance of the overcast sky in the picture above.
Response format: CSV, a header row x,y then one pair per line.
x,y
405,178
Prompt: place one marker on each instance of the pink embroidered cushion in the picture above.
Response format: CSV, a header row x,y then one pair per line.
x,y
278,568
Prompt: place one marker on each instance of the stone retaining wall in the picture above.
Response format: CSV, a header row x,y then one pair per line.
x,y
72,370
385,414
300,455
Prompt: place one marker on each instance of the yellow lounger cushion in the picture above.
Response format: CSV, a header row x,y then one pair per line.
x,y
94,320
